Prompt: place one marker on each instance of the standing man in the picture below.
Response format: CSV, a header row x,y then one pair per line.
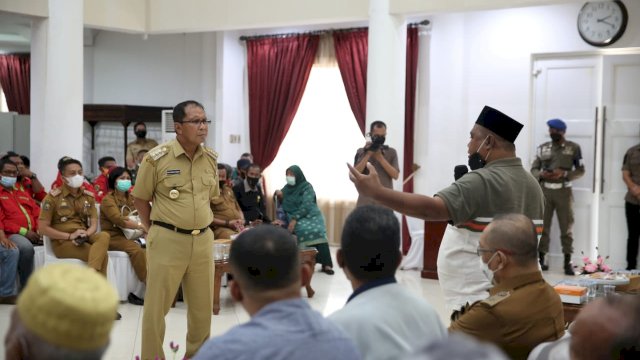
x,y
383,158
180,178
557,163
502,186
631,177
141,142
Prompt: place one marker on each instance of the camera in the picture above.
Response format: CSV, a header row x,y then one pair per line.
x,y
81,240
377,142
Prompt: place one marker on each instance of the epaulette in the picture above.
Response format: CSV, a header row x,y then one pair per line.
x,y
497,298
87,192
156,153
55,192
209,151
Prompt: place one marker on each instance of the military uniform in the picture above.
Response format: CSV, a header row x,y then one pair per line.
x,y
558,196
181,190
521,313
139,144
68,212
111,217
225,207
631,164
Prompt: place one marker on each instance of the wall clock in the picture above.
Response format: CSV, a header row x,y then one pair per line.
x,y
602,23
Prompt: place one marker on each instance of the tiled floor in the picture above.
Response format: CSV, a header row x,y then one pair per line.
x,y
331,294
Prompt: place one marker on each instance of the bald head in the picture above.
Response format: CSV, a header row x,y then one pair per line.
x,y
516,234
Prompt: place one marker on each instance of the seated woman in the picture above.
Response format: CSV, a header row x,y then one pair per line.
x,y
305,219
113,218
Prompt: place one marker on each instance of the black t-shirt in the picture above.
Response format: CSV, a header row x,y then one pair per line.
x,y
251,202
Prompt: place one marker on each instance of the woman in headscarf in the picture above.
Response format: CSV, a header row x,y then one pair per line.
x,y
305,219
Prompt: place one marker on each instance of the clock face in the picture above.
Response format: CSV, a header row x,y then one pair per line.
x,y
601,23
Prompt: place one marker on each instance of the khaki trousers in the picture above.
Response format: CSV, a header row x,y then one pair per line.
x,y
560,201
174,258
136,254
94,251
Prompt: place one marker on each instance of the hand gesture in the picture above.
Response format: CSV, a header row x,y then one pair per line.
x,y
366,185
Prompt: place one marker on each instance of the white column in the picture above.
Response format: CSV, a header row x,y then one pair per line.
x,y
386,74
56,87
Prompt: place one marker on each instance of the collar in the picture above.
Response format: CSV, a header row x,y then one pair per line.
x,y
372,284
517,282
512,161
66,191
4,189
179,150
283,304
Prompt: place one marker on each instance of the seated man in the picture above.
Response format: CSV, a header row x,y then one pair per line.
x,y
241,171
265,263
27,180
19,218
249,195
228,218
8,270
100,182
70,219
522,310
384,319
58,182
65,312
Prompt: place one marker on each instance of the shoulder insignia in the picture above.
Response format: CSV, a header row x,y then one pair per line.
x,y
156,153
209,151
55,192
497,298
87,192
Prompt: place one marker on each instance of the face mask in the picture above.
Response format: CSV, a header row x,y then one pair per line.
x,y
7,181
75,181
556,137
291,180
123,185
221,183
378,139
475,160
485,268
141,133
252,181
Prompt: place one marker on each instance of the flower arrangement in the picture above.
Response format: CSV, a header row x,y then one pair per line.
x,y
174,348
594,267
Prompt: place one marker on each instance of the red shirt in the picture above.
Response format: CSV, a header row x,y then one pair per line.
x,y
26,186
100,184
18,211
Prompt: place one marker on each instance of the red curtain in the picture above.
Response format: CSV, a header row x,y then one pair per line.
x,y
351,52
15,79
409,121
278,72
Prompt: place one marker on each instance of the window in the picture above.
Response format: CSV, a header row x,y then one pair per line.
x,y
3,102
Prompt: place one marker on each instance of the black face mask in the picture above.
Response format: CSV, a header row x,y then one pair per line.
x,y
141,134
378,140
252,181
556,137
476,162
221,183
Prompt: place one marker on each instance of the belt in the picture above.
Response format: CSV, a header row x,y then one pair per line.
x,y
177,229
556,186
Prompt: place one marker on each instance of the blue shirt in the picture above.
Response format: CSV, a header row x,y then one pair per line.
x,y
287,329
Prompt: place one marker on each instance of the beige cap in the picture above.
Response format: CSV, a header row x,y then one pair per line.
x,y
69,305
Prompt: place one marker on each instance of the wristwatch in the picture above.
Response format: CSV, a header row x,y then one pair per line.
x,y
33,176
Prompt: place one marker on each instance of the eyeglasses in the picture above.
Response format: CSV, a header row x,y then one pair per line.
x,y
197,122
480,250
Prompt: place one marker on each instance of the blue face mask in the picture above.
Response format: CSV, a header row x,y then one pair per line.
x,y
7,181
123,185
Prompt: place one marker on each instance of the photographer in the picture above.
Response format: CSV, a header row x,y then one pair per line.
x,y
382,157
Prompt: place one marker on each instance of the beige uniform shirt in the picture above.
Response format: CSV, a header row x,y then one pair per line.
x,y
631,163
67,212
180,188
135,146
566,156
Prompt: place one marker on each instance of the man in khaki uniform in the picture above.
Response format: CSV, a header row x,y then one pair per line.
x,y
523,310
141,143
180,178
70,219
557,163
228,218
631,177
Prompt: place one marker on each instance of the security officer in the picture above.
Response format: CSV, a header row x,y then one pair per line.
x,y
509,318
180,178
631,178
557,163
70,219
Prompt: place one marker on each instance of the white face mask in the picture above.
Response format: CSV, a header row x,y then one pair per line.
x,y
487,271
75,181
291,180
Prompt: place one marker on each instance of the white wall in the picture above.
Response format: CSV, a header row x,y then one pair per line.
x,y
484,58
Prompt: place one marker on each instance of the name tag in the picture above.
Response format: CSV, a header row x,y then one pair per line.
x,y
173,172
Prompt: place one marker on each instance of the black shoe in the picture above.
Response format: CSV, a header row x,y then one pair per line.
x,y
118,316
135,300
568,267
327,270
542,264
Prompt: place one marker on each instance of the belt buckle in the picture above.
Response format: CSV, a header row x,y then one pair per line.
x,y
195,232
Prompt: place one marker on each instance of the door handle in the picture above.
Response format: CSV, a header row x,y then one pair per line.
x,y
595,143
604,129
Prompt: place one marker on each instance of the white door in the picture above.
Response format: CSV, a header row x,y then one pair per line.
x,y
568,88
621,114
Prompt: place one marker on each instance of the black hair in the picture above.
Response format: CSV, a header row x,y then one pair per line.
x,y
222,166
66,161
25,161
245,155
10,154
138,124
179,110
371,243
6,161
253,166
377,124
103,160
115,173
265,258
